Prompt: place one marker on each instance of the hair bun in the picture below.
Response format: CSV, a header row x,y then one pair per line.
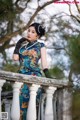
x,y
39,29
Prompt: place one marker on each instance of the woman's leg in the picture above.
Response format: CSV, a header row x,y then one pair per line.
x,y
24,99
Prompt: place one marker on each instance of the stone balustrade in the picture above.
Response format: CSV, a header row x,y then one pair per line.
x,y
52,106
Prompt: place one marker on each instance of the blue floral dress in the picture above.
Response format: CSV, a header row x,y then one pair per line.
x,y
29,57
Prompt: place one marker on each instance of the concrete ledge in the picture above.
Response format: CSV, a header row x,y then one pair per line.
x,y
29,79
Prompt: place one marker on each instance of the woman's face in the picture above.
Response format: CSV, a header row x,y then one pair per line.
x,y
31,34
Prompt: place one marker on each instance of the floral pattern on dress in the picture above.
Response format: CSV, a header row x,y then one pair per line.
x,y
29,57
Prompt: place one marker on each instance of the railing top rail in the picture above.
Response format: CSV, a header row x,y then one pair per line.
x,y
29,79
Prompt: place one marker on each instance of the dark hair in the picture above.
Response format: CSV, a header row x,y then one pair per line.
x,y
39,29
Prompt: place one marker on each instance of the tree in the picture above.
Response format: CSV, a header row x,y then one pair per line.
x,y
13,13
77,17
74,50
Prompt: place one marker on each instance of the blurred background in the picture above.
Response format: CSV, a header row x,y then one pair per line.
x,y
61,20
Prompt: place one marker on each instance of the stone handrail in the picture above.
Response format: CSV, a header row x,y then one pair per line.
x,y
10,76
56,92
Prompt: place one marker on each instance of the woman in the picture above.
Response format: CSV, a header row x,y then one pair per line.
x,y
29,55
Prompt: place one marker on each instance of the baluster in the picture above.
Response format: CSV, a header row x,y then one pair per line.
x,y
7,107
42,106
49,105
1,84
15,109
31,112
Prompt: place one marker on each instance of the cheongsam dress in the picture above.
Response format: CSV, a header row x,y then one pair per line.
x,y
29,57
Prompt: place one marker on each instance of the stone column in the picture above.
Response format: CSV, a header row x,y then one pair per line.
x,y
49,104
1,84
7,107
42,106
15,109
31,112
67,104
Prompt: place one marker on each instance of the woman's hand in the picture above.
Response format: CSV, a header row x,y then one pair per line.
x,y
18,45
15,57
16,50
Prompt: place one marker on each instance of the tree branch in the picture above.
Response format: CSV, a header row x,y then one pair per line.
x,y
76,17
72,15
77,6
9,36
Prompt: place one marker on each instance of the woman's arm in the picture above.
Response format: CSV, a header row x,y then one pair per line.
x,y
44,58
44,62
16,50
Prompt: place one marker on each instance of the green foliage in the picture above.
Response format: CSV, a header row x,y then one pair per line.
x,y
74,48
10,66
7,87
74,53
76,105
56,72
7,11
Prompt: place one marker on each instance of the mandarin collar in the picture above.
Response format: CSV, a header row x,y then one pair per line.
x,y
32,42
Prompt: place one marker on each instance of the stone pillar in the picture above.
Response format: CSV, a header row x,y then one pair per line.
x,y
42,106
67,104
15,109
49,104
1,84
31,112
7,107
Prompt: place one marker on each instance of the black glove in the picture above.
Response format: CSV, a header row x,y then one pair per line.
x,y
46,72
18,45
